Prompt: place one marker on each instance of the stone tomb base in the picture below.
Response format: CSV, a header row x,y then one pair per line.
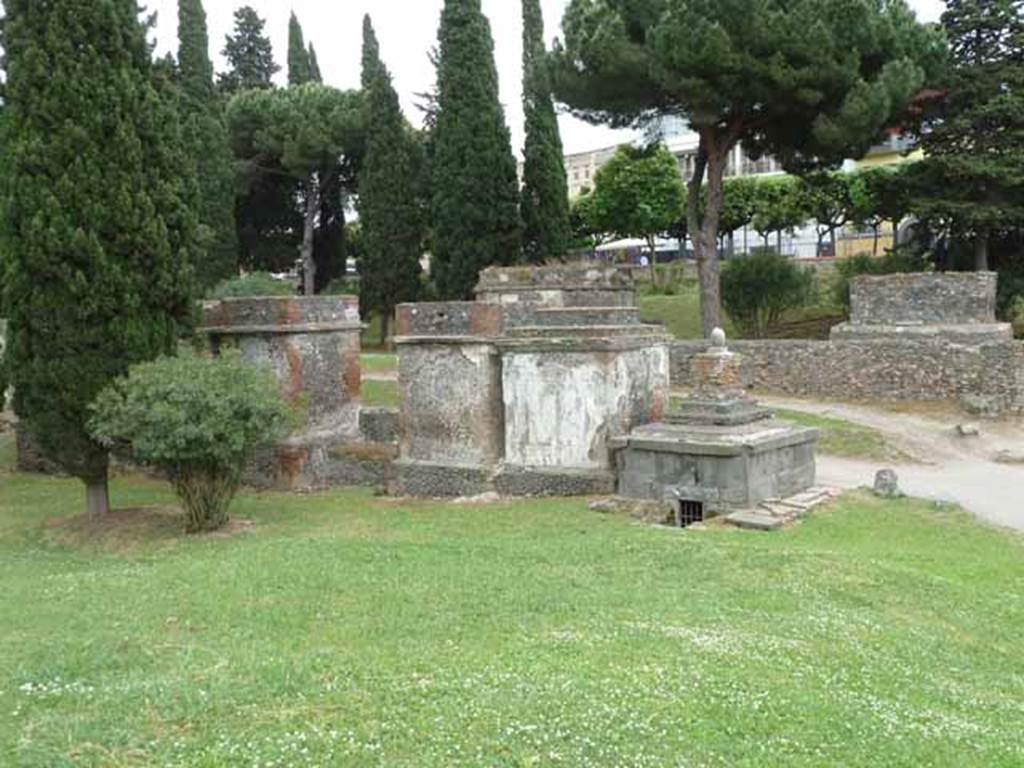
x,y
722,468
718,450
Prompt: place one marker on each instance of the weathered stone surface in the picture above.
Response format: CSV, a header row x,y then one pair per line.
x,y
452,409
889,369
441,481
516,481
928,298
563,285
955,307
968,430
380,425
1010,457
756,521
887,484
723,467
521,391
451,318
562,407
312,345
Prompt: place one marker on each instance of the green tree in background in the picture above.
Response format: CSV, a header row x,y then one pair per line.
x,y
249,54
297,132
811,83
882,195
392,212
828,201
973,173
299,65
545,193
779,206
207,141
314,66
371,53
638,193
475,207
99,222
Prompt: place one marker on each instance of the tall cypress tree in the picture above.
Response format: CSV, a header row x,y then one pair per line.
x,y
314,66
476,190
391,203
545,194
98,222
371,53
249,54
207,139
299,70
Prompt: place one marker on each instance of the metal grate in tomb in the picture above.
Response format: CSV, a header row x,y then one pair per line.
x,y
689,512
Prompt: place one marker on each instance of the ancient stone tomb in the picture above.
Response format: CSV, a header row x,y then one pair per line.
x,y
522,391
717,450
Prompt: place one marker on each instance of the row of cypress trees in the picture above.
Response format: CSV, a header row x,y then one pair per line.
x,y
117,193
479,215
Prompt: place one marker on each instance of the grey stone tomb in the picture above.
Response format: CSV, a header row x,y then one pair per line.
x,y
521,391
950,307
716,451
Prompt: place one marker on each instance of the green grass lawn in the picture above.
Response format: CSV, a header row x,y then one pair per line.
x,y
346,630
379,362
680,313
380,394
844,438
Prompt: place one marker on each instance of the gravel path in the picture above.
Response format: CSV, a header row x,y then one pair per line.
x,y
948,467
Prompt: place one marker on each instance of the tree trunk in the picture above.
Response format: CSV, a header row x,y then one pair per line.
x,y
97,497
385,327
732,244
308,263
874,246
778,242
981,251
711,157
835,245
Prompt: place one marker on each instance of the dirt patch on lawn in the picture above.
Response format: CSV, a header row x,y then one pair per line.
x,y
125,528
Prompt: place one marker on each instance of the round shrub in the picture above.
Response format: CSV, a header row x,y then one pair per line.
x,y
198,420
757,289
255,284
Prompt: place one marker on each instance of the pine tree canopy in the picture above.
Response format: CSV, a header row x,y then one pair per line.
x,y
392,205
475,204
545,193
299,65
811,83
306,134
207,141
98,223
972,179
249,54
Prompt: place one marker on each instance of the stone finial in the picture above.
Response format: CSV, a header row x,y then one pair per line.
x,y
718,338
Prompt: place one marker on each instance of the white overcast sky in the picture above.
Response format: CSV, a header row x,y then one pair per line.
x,y
407,30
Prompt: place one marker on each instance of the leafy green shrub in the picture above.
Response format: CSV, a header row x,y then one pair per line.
x,y
197,419
253,284
891,263
756,290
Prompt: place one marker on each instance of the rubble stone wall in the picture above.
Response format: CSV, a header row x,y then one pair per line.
x,y
989,377
940,298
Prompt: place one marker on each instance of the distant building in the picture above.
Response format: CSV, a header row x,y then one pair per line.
x,y
683,143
